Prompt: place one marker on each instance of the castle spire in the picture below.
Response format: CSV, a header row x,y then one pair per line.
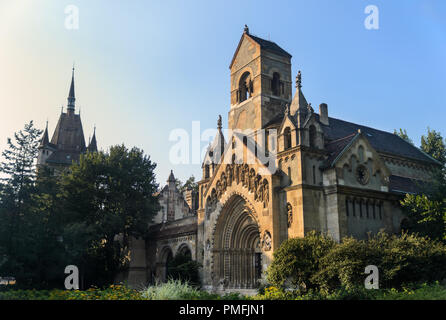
x,y
45,140
93,145
71,95
299,103
219,126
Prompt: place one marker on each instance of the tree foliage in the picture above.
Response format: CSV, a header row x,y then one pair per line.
x,y
434,145
297,260
426,211
183,268
190,184
108,197
84,217
320,263
402,133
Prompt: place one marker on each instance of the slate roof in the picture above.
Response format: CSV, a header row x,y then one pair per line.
x,y
270,46
381,141
404,185
335,147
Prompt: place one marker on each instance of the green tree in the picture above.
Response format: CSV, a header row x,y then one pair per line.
x,y
402,133
297,260
107,199
189,184
401,260
426,211
16,190
434,145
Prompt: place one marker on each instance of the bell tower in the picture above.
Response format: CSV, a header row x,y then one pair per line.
x,y
260,82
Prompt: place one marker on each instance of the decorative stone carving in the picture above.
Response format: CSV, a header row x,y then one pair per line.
x,y
249,179
362,175
289,210
265,194
208,245
266,241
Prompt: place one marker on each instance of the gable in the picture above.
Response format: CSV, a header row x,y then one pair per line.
x,y
246,51
359,164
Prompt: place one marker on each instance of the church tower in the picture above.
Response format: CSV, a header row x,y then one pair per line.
x,y
260,82
68,142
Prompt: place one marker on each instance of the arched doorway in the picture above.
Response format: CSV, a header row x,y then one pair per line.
x,y
185,251
165,257
237,253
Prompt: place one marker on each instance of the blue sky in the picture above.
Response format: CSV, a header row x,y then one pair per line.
x,y
144,68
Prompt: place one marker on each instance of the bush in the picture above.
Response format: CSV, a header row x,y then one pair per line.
x,y
171,290
297,260
183,268
182,290
114,292
400,260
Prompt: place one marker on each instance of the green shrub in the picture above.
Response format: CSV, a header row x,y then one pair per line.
x,y
172,290
297,260
183,268
401,260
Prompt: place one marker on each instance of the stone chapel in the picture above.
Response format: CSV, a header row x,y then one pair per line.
x,y
287,169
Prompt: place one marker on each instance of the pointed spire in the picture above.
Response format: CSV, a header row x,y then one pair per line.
x,y
93,145
299,80
45,140
299,103
71,95
171,177
219,123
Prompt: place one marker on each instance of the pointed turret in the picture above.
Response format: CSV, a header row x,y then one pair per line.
x,y
71,96
171,177
93,146
45,140
299,104
171,180
217,148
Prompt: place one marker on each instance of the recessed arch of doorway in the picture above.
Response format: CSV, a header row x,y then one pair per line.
x,y
236,246
184,250
166,255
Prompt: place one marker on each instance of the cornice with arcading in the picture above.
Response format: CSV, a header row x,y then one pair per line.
x,y
406,162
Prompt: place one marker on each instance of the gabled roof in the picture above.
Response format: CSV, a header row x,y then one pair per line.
x,y
381,141
264,45
270,46
336,147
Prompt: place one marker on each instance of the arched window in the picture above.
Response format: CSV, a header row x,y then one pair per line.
x,y
361,154
287,138
245,87
314,174
206,171
275,84
312,136
347,204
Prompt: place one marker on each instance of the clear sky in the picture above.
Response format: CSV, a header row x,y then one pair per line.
x,y
144,68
